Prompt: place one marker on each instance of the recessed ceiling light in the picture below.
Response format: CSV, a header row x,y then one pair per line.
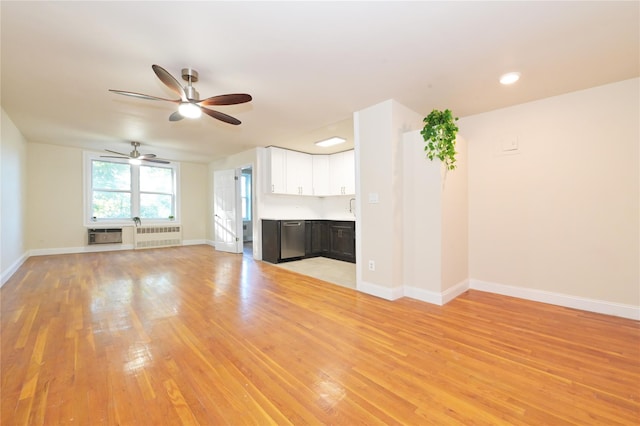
x,y
331,141
510,78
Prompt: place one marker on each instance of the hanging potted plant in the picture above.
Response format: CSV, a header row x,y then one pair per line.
x,y
439,134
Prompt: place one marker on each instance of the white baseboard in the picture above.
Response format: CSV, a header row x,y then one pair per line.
x,y
576,302
82,249
434,297
101,247
423,295
380,291
194,242
452,292
13,268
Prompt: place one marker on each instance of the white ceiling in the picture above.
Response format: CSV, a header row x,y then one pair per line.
x,y
308,65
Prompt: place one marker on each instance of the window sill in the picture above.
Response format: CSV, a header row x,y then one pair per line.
x,y
128,224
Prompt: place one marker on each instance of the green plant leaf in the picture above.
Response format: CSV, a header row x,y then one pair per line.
x,y
439,133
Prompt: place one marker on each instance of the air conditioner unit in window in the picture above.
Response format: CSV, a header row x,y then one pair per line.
x,y
105,236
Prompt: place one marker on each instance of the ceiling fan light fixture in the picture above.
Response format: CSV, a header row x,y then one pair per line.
x,y
189,104
335,140
135,161
509,78
189,110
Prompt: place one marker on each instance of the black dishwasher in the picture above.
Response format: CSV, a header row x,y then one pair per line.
x,y
292,238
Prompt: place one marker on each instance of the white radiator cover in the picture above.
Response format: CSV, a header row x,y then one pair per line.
x,y
157,236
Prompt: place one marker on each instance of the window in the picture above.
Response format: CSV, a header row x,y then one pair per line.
x,y
245,195
111,190
117,191
156,192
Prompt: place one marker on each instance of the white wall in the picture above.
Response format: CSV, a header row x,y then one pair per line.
x,y
341,207
13,170
280,206
55,222
561,216
55,207
455,224
379,232
194,189
435,223
422,216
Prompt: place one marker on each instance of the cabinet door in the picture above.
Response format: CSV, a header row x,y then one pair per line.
x,y
317,231
277,160
336,174
321,175
342,178
299,173
270,240
343,243
349,164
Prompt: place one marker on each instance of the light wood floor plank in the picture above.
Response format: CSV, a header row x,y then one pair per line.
x,y
189,335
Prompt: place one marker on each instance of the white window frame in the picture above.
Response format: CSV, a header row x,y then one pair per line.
x,y
135,191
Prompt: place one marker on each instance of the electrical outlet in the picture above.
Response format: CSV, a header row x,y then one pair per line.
x,y
372,265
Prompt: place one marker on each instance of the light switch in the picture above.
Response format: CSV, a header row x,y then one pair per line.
x,y
373,198
510,144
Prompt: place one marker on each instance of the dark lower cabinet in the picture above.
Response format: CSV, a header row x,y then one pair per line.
x,y
271,240
342,241
328,238
317,238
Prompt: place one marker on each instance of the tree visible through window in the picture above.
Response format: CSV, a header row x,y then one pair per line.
x,y
111,184
156,192
119,191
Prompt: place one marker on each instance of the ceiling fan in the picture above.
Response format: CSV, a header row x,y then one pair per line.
x,y
189,104
135,155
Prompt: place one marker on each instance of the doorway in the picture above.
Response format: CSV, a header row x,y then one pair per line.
x,y
226,208
247,210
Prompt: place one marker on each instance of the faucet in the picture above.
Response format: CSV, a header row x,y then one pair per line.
x,y
350,205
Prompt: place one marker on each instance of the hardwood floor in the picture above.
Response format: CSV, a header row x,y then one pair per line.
x,y
192,336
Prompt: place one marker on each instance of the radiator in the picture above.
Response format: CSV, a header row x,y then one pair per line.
x,y
157,236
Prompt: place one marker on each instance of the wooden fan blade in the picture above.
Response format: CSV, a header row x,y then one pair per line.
x,y
116,152
176,116
170,81
151,160
143,96
231,99
220,116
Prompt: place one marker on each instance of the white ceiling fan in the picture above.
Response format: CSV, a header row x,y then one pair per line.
x,y
135,155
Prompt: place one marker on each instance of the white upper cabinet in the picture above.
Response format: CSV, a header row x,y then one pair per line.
x,y
290,172
342,178
350,173
276,160
321,175
297,173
